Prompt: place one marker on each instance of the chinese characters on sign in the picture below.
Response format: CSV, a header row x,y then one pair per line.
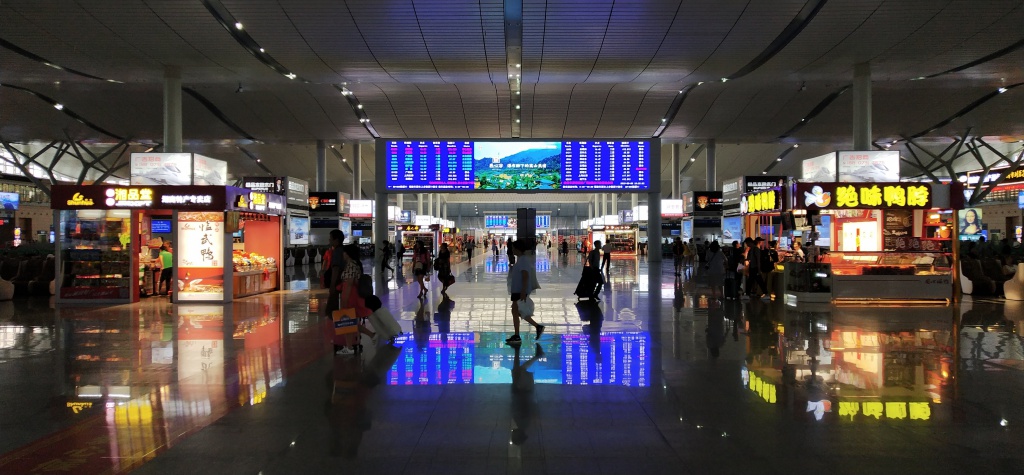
x,y
200,256
129,197
863,195
768,200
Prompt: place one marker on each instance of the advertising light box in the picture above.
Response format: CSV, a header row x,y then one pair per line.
x,y
9,201
361,209
821,168
503,165
869,166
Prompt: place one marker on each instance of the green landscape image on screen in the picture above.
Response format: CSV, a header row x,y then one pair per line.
x,y
517,165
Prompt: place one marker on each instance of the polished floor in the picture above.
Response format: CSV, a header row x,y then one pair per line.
x,y
628,385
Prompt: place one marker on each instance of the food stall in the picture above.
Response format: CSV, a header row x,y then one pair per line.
x,y
105,234
409,234
622,238
888,241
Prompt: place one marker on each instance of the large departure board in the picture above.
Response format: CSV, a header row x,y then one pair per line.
x,y
517,165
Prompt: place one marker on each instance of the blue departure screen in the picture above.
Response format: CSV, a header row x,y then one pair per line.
x,y
517,165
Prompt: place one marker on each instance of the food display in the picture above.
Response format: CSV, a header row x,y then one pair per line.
x,y
249,261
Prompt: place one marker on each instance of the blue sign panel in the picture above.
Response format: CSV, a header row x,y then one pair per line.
x,y
429,165
516,165
1020,200
495,221
543,221
9,200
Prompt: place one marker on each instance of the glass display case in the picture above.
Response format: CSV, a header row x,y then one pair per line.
x,y
807,282
621,242
902,276
95,255
890,263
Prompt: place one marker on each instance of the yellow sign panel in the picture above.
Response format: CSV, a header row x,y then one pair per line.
x,y
762,201
78,200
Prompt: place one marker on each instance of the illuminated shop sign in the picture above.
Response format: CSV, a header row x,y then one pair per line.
x,y
1013,178
77,406
892,410
323,202
762,201
186,199
253,201
129,197
863,195
79,200
412,228
361,209
618,227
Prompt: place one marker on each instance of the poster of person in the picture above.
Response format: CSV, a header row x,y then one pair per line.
x,y
971,225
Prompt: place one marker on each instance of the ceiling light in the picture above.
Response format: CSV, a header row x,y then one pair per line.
x,y
518,65
517,93
778,159
58,106
517,121
258,160
262,50
517,106
343,159
1002,90
290,76
693,159
725,79
796,145
663,120
764,172
359,106
332,146
509,75
803,120
238,25
700,82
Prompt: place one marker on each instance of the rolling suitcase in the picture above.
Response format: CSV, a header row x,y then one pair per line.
x,y
345,329
587,288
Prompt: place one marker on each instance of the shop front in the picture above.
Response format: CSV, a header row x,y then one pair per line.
x,y
109,238
621,238
889,241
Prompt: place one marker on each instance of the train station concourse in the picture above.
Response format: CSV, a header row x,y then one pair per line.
x,y
511,236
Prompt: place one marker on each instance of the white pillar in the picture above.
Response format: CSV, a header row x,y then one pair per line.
x,y
862,106
430,204
357,172
400,201
711,176
419,203
172,109
674,169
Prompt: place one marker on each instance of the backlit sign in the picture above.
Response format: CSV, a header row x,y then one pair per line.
x,y
254,201
1013,178
361,209
671,208
9,201
762,201
78,200
863,195
186,199
707,201
129,197
323,202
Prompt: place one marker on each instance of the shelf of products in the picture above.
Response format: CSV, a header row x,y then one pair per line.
x,y
621,242
890,263
251,261
95,262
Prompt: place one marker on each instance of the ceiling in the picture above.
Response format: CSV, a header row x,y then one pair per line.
x,y
440,68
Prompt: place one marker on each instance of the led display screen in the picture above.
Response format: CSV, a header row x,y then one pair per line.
x,y
160,226
461,165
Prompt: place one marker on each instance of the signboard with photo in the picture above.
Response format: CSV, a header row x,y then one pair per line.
x,y
298,230
972,227
869,166
209,171
671,208
161,169
324,202
361,209
200,257
898,225
820,169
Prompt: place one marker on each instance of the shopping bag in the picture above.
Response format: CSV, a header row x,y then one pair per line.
x,y
526,307
345,322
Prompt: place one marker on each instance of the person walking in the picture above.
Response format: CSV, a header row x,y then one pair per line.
x,y
522,280
594,262
606,261
509,253
732,276
470,244
494,246
420,265
678,254
167,272
755,281
769,257
443,266
385,251
716,269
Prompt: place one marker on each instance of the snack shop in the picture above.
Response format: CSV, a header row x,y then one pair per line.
x,y
109,240
622,238
889,241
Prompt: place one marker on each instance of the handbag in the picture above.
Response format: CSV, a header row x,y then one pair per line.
x,y
345,321
740,267
526,307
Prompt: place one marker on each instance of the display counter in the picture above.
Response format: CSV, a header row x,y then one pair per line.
x,y
805,282
891,276
621,238
252,282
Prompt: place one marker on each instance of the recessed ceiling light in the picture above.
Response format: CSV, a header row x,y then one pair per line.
x,y
1002,90
359,106
258,160
238,25
725,79
518,65
693,159
764,172
58,106
700,82
517,121
517,106
796,145
262,50
778,159
290,76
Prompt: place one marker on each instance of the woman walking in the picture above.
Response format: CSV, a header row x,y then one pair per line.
x,y
420,265
522,280
443,266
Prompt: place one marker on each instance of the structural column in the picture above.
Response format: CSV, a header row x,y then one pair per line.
x,y
357,171
321,166
654,222
430,204
613,201
380,234
712,170
862,106
172,109
634,201
674,169
400,201
419,203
